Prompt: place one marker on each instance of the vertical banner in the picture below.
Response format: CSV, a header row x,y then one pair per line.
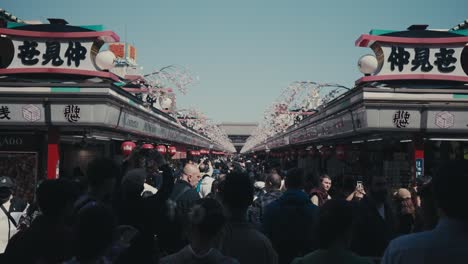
x,y
418,161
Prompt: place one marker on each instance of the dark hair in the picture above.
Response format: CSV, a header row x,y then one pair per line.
x,y
94,232
449,189
53,196
274,180
101,169
295,179
324,176
237,191
335,219
207,216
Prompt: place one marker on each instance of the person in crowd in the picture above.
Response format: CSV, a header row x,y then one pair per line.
x,y
206,220
11,209
215,187
375,220
334,236
448,242
181,199
353,191
272,192
101,177
290,221
241,240
147,214
94,235
428,210
49,239
405,211
204,185
184,193
320,195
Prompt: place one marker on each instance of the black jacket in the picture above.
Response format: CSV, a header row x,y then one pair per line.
x,y
371,233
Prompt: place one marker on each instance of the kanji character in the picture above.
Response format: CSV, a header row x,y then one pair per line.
x,y
28,52
52,53
444,59
398,57
421,58
75,52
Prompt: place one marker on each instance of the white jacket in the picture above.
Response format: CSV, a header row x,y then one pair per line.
x,y
205,187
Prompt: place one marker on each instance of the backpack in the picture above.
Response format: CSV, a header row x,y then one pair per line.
x,y
172,202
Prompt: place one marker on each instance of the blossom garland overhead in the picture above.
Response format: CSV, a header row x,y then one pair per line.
x,y
295,102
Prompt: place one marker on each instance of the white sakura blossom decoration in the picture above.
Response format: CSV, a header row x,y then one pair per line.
x,y
198,121
296,101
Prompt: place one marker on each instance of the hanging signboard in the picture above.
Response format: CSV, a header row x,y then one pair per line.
x,y
412,57
26,51
32,114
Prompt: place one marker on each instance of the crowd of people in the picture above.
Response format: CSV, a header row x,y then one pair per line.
x,y
232,210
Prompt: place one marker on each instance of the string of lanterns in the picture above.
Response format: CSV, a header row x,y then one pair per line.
x,y
128,146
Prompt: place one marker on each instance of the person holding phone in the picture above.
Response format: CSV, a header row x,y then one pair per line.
x,y
358,192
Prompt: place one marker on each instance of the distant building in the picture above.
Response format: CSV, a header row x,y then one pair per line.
x,y
238,132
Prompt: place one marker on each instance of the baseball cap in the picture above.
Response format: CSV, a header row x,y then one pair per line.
x,y
6,182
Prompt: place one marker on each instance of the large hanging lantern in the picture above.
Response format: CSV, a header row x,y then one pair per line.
x,y
127,147
147,146
161,149
172,150
165,103
105,60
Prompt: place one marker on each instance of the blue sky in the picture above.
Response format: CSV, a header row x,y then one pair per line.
x,y
245,52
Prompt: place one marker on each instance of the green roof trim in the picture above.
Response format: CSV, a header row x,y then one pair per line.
x,y
377,32
93,27
14,25
460,96
463,32
65,89
90,27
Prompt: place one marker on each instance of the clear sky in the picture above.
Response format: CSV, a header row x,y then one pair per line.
x,y
246,51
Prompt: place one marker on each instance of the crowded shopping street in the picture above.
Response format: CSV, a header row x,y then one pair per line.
x,y
293,146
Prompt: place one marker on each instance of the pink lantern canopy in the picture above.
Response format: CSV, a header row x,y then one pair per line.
x,y
161,149
204,152
147,146
127,147
172,150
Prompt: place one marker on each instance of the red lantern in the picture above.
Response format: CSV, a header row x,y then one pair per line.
x,y
147,146
127,147
340,152
172,150
161,149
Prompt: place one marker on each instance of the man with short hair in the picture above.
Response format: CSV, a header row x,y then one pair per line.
x,y
241,240
272,192
181,200
448,241
320,195
290,221
375,220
